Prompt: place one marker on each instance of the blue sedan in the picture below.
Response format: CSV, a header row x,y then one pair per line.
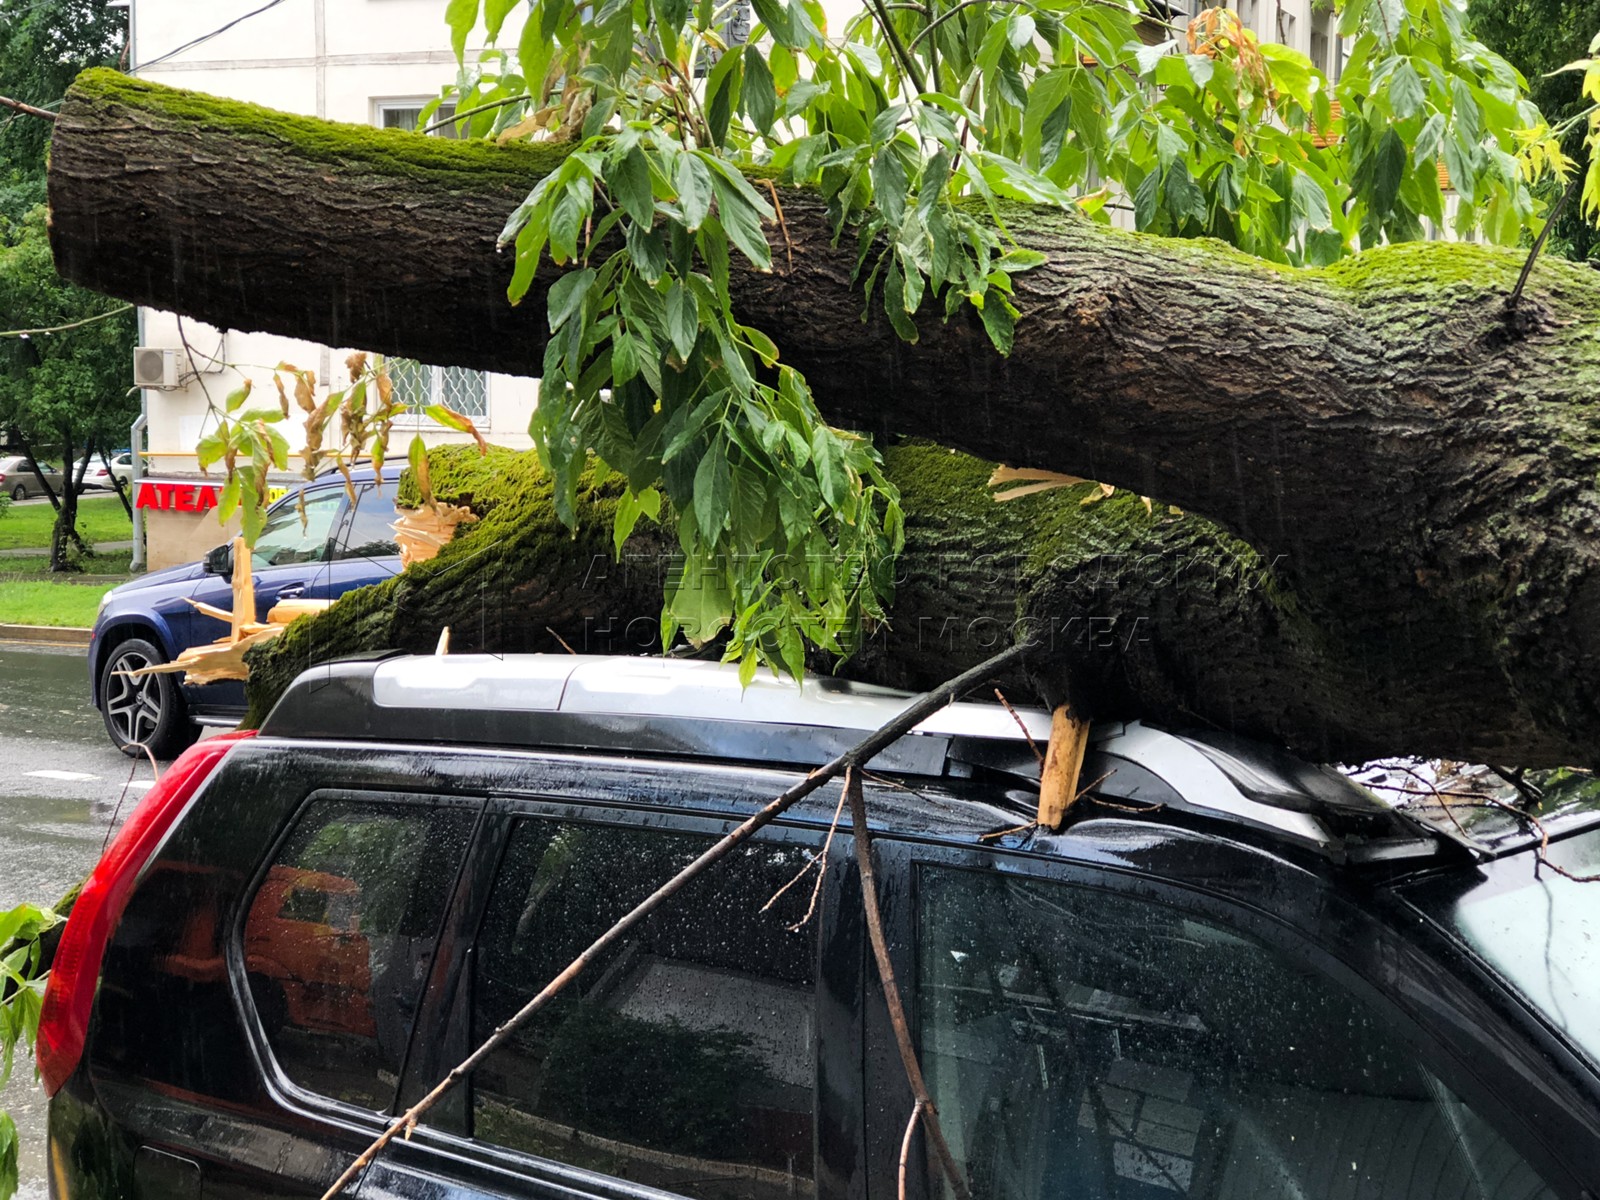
x,y
335,548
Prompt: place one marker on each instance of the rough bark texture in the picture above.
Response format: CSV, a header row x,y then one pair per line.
x,y
1146,587
1418,466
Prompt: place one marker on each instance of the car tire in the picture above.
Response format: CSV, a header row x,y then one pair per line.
x,y
147,712
19,492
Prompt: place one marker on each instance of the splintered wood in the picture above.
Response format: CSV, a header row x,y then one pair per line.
x,y
224,658
1063,763
423,532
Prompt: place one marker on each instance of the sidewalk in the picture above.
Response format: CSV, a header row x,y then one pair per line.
x,y
36,551
45,635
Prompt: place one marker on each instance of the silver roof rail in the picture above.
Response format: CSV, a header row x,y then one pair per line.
x,y
699,709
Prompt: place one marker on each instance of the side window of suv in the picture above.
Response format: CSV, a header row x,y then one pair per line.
x,y
290,537
340,935
684,1060
1079,1043
369,532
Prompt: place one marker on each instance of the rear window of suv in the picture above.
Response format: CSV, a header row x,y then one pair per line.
x,y
340,935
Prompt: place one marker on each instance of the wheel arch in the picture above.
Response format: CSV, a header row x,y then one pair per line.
x,y
118,630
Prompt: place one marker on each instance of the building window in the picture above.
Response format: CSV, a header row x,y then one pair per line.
x,y
405,114
417,385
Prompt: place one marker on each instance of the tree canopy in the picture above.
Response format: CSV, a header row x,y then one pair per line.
x,y
44,44
1540,37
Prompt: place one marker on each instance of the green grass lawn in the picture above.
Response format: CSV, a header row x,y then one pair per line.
x,y
37,566
100,519
36,603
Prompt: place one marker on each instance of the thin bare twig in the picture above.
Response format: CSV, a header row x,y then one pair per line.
x,y
42,113
1017,717
863,751
777,207
995,834
1543,853
560,639
905,1144
1538,242
891,989
820,862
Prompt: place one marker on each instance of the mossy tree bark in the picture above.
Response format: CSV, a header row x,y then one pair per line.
x,y
1417,462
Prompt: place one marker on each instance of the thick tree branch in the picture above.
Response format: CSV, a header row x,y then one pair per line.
x,y
1420,473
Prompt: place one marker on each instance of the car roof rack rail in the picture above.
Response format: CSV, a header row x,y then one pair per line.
x,y
699,709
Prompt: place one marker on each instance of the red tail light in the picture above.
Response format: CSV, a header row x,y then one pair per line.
x,y
69,990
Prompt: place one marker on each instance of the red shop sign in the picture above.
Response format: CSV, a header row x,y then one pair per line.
x,y
177,496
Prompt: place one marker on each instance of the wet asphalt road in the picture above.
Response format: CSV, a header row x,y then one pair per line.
x,y
60,784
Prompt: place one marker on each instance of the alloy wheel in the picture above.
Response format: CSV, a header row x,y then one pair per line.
x,y
133,704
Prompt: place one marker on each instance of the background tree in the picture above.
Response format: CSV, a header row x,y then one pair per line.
x,y
43,46
60,394
1539,37
63,392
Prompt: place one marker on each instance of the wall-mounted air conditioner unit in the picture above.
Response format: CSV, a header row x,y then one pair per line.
x,y
155,367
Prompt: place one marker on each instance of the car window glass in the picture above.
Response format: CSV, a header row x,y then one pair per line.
x,y
340,935
684,1059
1088,1045
287,538
369,532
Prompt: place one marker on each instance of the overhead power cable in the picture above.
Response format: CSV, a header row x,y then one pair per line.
x,y
22,333
204,37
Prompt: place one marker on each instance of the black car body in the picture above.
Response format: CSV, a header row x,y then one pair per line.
x,y
1231,976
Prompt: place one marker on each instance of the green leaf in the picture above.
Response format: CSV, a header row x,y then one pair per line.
x,y
630,508
683,320
494,15
712,491
742,221
760,95
1389,170
1406,95
832,474
693,182
628,178
999,321
236,398
567,295
1310,203
461,16
698,602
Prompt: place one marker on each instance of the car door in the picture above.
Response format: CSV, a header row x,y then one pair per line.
x,y
291,560
1090,1035
712,1053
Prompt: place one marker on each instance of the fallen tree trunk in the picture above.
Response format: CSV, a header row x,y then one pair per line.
x,y
1141,613
1417,462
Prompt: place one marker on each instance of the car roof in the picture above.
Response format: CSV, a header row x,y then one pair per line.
x,y
695,710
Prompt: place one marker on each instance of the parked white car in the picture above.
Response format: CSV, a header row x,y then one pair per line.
x,y
99,476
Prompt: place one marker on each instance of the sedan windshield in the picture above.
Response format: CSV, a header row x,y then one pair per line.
x,y
1537,927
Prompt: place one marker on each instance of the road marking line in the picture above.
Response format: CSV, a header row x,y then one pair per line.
x,y
68,776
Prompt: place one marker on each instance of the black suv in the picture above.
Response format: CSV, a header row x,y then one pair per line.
x,y
1231,976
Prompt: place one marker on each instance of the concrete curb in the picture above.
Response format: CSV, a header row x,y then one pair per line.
x,y
45,635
